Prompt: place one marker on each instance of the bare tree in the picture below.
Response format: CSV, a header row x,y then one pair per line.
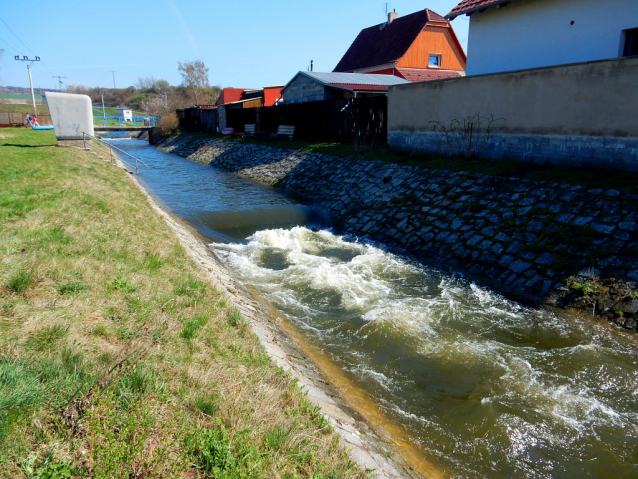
x,y
145,83
195,79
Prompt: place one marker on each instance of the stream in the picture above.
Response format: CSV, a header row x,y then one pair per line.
x,y
483,386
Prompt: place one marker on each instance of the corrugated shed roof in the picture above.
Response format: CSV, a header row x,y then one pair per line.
x,y
426,74
469,6
354,78
361,87
377,46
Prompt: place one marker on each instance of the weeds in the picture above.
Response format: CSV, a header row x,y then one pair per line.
x,y
72,287
46,338
585,286
123,284
465,136
22,280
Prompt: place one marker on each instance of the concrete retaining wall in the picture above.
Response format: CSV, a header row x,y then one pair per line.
x,y
570,114
524,237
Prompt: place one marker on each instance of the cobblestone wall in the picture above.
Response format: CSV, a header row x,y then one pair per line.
x,y
521,235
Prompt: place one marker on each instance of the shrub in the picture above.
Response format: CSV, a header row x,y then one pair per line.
x,y
170,124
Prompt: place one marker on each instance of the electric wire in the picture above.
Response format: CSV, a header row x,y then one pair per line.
x,y
16,35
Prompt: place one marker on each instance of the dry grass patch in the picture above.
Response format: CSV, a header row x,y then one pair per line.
x,y
117,357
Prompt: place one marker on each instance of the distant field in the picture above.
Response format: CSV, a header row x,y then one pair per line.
x,y
15,96
22,108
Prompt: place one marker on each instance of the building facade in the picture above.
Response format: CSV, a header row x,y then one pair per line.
x,y
524,34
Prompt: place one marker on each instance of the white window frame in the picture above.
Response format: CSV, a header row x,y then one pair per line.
x,y
438,57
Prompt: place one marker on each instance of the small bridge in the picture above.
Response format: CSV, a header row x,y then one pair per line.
x,y
120,123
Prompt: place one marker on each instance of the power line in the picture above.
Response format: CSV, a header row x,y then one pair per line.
x,y
16,35
10,46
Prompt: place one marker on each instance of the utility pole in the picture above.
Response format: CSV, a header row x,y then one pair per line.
x,y
113,79
103,110
29,62
59,81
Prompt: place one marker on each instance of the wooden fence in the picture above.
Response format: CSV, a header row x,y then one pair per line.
x,y
204,120
363,118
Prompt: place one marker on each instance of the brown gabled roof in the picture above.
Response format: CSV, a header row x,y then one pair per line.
x,y
377,46
426,74
469,6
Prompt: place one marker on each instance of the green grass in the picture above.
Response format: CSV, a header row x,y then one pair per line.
x,y
15,96
117,356
589,177
23,108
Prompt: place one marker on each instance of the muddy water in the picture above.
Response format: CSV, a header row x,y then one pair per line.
x,y
483,386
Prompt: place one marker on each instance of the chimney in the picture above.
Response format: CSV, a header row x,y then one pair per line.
x,y
392,16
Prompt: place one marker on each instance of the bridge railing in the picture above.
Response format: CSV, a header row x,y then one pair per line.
x,y
120,121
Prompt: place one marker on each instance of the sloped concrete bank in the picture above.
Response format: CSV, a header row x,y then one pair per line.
x,y
557,244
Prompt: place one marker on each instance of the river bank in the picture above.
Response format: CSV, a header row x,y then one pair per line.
x,y
118,355
555,244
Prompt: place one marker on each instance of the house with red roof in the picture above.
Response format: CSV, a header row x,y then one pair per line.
x,y
421,46
508,35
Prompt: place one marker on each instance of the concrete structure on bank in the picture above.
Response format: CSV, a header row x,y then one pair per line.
x,y
520,34
581,114
71,115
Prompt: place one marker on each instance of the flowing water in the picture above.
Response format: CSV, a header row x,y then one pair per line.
x,y
483,386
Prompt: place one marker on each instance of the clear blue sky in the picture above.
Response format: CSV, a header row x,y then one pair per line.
x,y
244,43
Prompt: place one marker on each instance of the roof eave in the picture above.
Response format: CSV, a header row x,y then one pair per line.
x,y
469,11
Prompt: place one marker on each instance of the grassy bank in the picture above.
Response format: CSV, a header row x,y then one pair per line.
x,y
589,177
117,357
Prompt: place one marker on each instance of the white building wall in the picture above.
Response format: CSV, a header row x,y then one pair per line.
x,y
538,33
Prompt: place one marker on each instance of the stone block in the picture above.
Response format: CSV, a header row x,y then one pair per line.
x,y
475,240
519,266
628,226
602,228
485,244
583,220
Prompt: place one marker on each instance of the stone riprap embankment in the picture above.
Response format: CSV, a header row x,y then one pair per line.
x,y
567,244
266,165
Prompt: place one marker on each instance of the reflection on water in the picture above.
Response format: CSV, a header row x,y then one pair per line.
x,y
220,205
489,387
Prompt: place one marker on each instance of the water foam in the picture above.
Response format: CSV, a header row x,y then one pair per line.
x,y
472,375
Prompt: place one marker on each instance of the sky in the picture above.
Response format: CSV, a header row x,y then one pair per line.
x,y
244,43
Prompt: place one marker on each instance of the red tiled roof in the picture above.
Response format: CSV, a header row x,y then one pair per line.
x,y
375,46
426,74
350,86
468,6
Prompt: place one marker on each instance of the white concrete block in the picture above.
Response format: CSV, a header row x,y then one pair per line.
x,y
71,115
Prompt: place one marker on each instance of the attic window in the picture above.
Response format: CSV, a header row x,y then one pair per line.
x,y
434,61
630,42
